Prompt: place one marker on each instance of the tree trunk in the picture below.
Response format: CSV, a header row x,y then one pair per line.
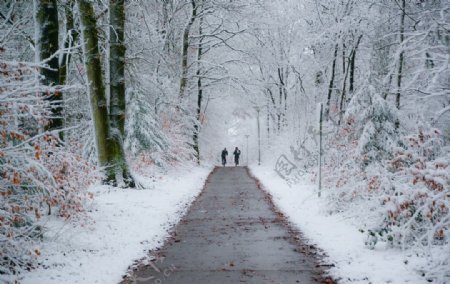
x,y
352,66
272,99
343,94
117,101
280,102
96,86
331,85
184,51
199,93
387,89
400,60
350,71
71,37
343,57
267,117
283,75
429,63
47,47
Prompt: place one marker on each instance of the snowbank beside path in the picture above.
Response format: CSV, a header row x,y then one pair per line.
x,y
341,241
125,224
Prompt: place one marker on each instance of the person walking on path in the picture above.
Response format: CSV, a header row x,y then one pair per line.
x,y
236,154
224,156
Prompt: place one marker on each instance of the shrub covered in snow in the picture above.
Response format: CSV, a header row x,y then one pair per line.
x,y
40,175
401,181
373,121
416,201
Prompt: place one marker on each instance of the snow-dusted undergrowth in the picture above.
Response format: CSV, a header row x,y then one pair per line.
x,y
338,235
122,226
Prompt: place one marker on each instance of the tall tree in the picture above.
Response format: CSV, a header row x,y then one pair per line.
x,y
95,82
400,58
199,91
350,70
185,48
71,37
331,85
47,50
109,148
117,51
352,66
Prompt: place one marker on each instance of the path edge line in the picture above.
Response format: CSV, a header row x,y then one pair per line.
x,y
152,255
303,244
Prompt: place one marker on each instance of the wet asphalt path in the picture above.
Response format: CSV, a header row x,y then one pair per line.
x,y
230,235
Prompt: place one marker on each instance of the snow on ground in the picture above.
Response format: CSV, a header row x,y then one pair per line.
x,y
341,241
125,224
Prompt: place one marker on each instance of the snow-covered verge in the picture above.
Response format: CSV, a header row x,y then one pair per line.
x,y
123,226
338,236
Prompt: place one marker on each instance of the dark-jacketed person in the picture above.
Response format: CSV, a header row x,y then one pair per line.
x,y
236,154
224,156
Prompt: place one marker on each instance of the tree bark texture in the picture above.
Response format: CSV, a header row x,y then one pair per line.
x,y
199,93
117,64
400,60
96,86
185,49
331,85
352,66
48,46
70,39
117,100
349,72
401,56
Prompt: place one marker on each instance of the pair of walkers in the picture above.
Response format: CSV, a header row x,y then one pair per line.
x,y
236,154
